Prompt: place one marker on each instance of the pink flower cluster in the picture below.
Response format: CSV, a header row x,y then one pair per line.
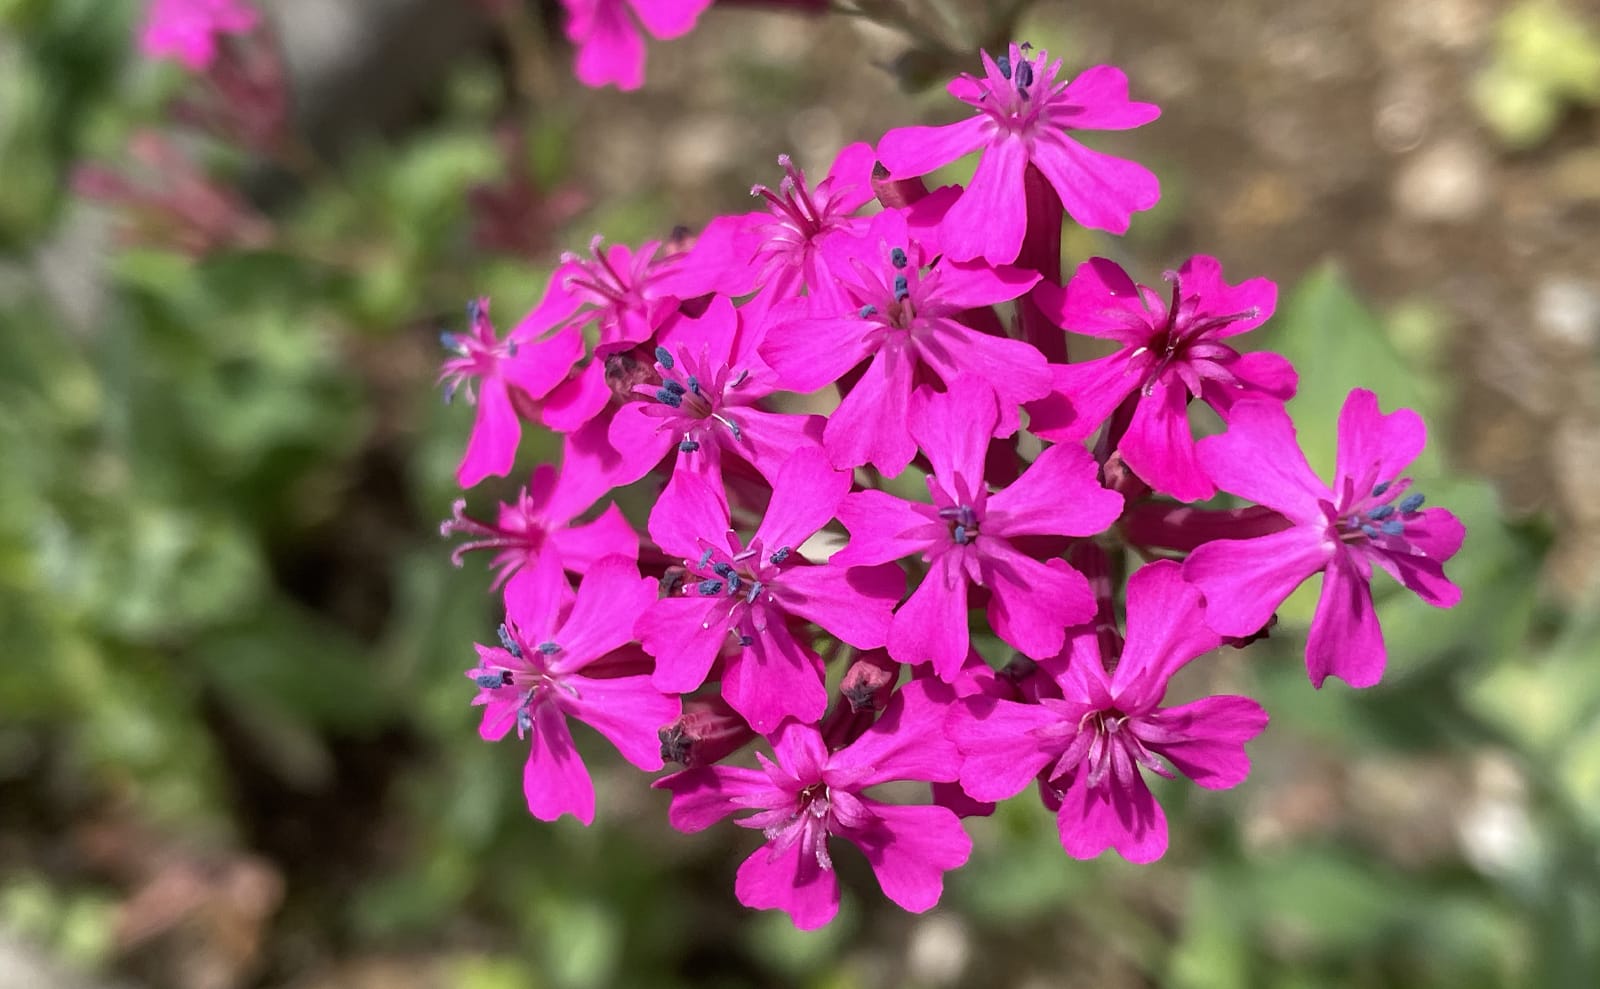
x,y
797,623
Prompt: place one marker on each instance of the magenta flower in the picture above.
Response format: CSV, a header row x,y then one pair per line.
x,y
547,669
744,596
704,399
538,523
1171,349
516,369
1088,746
966,535
624,295
187,30
1024,116
610,47
907,320
1368,518
809,795
778,251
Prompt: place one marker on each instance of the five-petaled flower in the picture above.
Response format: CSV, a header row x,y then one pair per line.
x,y
905,312
560,657
744,597
967,535
1089,746
807,795
1370,517
502,369
1171,350
1023,117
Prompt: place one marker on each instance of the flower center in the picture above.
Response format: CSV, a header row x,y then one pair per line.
x,y
693,402
798,216
1379,519
963,522
742,578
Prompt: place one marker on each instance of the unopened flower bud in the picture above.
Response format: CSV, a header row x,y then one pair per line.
x,y
707,731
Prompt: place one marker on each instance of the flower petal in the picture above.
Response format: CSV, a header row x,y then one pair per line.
x,y
773,678
869,426
910,151
683,637
1259,459
703,796
1093,819
1374,447
1244,580
1099,191
854,604
789,879
990,218
1059,494
1032,603
931,627
910,849
554,779
492,447
1159,445
805,496
1000,748
628,711
1213,732
1346,640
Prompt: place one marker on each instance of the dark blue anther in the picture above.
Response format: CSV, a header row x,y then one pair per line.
x,y
746,641
897,257
511,348
1377,492
722,569
694,384
1411,503
710,587
1380,513
490,680
449,392
1024,76
507,642
1370,531
451,342
755,592
663,358
780,554
867,311
1393,527
734,583
673,386
960,534
733,427
524,722
549,648
472,311
1004,64
901,288
705,557
688,446
667,396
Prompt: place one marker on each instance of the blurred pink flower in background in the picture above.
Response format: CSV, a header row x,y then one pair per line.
x,y
606,32
186,31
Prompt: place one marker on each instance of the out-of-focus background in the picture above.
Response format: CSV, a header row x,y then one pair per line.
x,y
235,743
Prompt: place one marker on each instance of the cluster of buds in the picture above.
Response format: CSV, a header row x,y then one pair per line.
x,y
794,626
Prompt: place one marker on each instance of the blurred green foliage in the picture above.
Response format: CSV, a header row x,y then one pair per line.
x,y
1547,58
226,617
